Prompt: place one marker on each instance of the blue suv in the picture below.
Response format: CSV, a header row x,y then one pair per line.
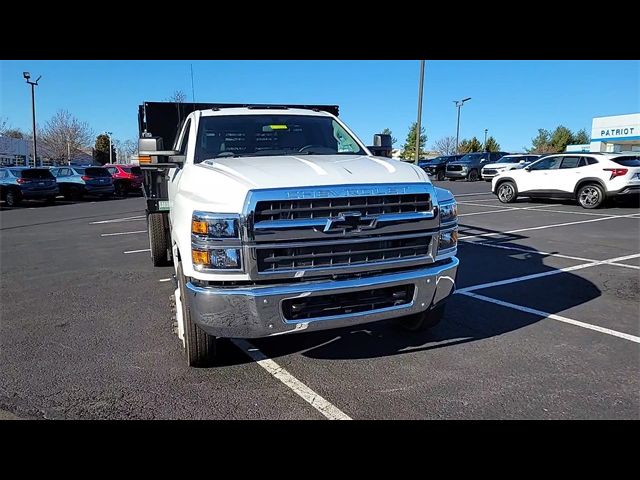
x,y
76,182
24,183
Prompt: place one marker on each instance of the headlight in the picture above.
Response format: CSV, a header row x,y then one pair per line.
x,y
448,240
216,259
215,241
448,212
213,225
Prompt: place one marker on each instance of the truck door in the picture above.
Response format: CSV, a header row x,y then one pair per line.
x,y
176,173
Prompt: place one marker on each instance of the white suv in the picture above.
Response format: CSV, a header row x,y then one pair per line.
x,y
589,178
508,162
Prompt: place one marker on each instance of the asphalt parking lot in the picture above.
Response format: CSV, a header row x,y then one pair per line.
x,y
545,325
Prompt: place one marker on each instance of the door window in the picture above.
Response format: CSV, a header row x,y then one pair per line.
x,y
570,162
549,163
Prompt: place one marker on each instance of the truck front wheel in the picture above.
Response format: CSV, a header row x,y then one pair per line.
x,y
200,347
158,239
421,321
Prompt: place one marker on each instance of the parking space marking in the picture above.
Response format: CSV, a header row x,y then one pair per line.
x,y
115,220
501,210
543,227
523,278
473,194
546,206
139,251
553,316
312,398
122,233
526,250
164,280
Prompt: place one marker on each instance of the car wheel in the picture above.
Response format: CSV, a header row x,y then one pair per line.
x,y
120,189
422,321
440,175
200,347
50,200
13,198
473,176
452,179
158,239
507,192
75,193
590,196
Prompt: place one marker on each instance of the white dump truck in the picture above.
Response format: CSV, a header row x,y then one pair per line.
x,y
279,220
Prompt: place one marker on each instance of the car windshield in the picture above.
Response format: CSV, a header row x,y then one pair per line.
x,y
511,159
268,135
438,160
134,170
471,157
629,161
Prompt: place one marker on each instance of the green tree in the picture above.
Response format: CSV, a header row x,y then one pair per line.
x,y
467,146
581,137
101,151
541,143
409,148
492,145
560,138
387,131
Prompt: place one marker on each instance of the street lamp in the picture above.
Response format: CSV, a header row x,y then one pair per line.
x,y
459,104
110,158
27,77
485,139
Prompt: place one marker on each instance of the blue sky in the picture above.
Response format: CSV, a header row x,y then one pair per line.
x,y
512,99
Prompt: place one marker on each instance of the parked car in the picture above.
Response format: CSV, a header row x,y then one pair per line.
x,y
76,182
25,183
126,178
469,166
589,178
436,166
506,163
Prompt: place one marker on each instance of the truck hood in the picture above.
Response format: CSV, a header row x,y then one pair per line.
x,y
313,170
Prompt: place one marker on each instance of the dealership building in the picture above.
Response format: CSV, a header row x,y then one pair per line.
x,y
619,133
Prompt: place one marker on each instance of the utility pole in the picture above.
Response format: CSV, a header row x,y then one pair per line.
x,y
459,104
110,152
27,76
419,111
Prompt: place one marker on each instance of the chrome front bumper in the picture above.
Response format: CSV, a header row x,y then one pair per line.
x,y
456,173
251,312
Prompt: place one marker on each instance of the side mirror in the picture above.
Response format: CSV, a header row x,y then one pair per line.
x,y
150,151
522,161
382,145
528,169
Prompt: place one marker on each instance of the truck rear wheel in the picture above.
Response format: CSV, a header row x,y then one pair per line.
x,y
422,321
200,347
158,239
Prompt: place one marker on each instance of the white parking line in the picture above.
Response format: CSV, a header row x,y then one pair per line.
x,y
312,398
546,206
526,250
115,220
164,280
501,210
546,274
472,194
122,233
553,316
139,251
543,227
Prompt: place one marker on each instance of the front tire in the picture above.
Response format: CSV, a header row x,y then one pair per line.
x,y
158,239
507,192
591,196
120,190
419,322
13,198
200,347
440,175
473,176
50,200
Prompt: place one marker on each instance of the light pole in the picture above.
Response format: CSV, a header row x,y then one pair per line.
x,y
459,104
27,76
485,139
419,111
110,157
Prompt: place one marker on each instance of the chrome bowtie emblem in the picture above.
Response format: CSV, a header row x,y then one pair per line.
x,y
349,222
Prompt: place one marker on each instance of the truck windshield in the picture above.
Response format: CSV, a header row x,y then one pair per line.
x,y
268,135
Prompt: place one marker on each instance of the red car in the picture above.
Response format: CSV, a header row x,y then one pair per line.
x,y
126,178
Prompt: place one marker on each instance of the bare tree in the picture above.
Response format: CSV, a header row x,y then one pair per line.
x,y
445,146
125,149
64,133
178,97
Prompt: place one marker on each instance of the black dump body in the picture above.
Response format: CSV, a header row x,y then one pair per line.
x,y
165,119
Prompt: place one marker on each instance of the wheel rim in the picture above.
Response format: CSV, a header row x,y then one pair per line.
x,y
10,199
473,176
589,196
505,192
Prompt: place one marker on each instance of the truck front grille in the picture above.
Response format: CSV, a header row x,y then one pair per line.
x,y
330,207
323,306
343,254
489,171
454,168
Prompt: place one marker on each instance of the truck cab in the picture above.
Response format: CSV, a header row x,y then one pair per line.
x,y
278,220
